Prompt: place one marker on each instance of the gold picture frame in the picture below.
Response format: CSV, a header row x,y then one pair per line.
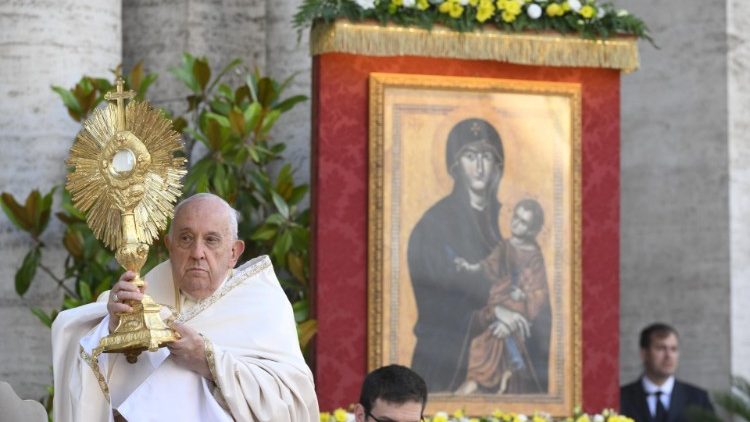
x,y
500,150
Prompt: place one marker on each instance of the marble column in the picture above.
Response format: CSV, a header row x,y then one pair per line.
x,y
42,43
738,37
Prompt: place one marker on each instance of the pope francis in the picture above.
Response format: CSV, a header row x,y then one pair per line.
x,y
237,359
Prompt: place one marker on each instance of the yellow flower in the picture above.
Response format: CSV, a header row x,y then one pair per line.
x,y
587,11
325,417
440,416
508,17
445,7
473,3
423,4
397,2
497,414
485,11
501,4
554,9
513,7
339,415
538,418
583,418
456,10
473,419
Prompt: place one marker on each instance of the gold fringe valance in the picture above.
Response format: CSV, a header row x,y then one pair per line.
x,y
371,39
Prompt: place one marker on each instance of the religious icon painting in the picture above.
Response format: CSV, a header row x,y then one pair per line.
x,y
474,274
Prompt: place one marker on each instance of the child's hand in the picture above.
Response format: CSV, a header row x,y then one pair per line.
x,y
464,265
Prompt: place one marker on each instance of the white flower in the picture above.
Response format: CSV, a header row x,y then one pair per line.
x,y
410,3
523,418
622,13
463,2
534,11
598,418
350,417
575,5
600,13
365,4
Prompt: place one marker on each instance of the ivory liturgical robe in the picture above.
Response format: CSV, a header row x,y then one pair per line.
x,y
252,350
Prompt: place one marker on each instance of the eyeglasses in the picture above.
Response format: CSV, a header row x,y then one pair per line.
x,y
367,413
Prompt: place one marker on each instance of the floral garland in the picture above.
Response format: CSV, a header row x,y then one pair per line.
x,y
588,18
608,415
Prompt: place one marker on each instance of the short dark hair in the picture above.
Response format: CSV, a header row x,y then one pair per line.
x,y
394,384
657,329
537,214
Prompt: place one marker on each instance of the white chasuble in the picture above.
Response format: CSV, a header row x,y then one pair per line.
x,y
252,350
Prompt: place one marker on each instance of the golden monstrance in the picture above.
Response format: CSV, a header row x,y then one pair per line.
x,y
126,177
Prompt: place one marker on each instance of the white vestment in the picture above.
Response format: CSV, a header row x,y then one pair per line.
x,y
252,350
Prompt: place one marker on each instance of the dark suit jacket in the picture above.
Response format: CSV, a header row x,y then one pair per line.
x,y
633,401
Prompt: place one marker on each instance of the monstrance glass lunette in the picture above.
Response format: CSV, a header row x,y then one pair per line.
x,y
126,176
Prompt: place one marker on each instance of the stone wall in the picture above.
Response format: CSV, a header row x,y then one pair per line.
x,y
675,244
42,43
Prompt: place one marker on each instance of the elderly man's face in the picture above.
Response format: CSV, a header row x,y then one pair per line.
x,y
201,247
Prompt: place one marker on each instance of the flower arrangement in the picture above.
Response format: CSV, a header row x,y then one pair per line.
x,y
589,18
608,415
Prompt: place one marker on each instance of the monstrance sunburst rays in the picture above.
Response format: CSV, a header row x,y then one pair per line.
x,y
156,182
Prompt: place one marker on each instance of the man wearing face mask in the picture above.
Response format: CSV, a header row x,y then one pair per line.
x,y
657,396
462,224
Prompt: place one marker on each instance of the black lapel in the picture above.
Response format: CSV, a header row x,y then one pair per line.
x,y
641,403
676,402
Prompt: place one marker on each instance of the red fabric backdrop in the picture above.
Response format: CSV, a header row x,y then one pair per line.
x,y
339,203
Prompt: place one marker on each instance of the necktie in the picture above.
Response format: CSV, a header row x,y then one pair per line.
x,y
661,412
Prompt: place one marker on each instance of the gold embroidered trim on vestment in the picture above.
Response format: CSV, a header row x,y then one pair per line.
x,y
93,363
237,279
528,48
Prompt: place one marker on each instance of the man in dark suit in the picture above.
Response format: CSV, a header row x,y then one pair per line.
x,y
657,396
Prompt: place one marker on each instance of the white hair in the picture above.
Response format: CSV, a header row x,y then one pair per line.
x,y
233,216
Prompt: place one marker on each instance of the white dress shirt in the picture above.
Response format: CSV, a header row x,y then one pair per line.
x,y
666,393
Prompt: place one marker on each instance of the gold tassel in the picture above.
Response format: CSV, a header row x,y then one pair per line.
x,y
371,39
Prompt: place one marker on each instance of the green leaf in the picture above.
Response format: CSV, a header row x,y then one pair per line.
x,y
306,331
276,219
46,319
223,121
280,204
301,310
266,92
45,211
146,84
270,120
297,267
202,72
281,246
237,121
264,232
184,73
288,103
223,71
15,212
252,114
298,193
85,292
26,273
69,99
